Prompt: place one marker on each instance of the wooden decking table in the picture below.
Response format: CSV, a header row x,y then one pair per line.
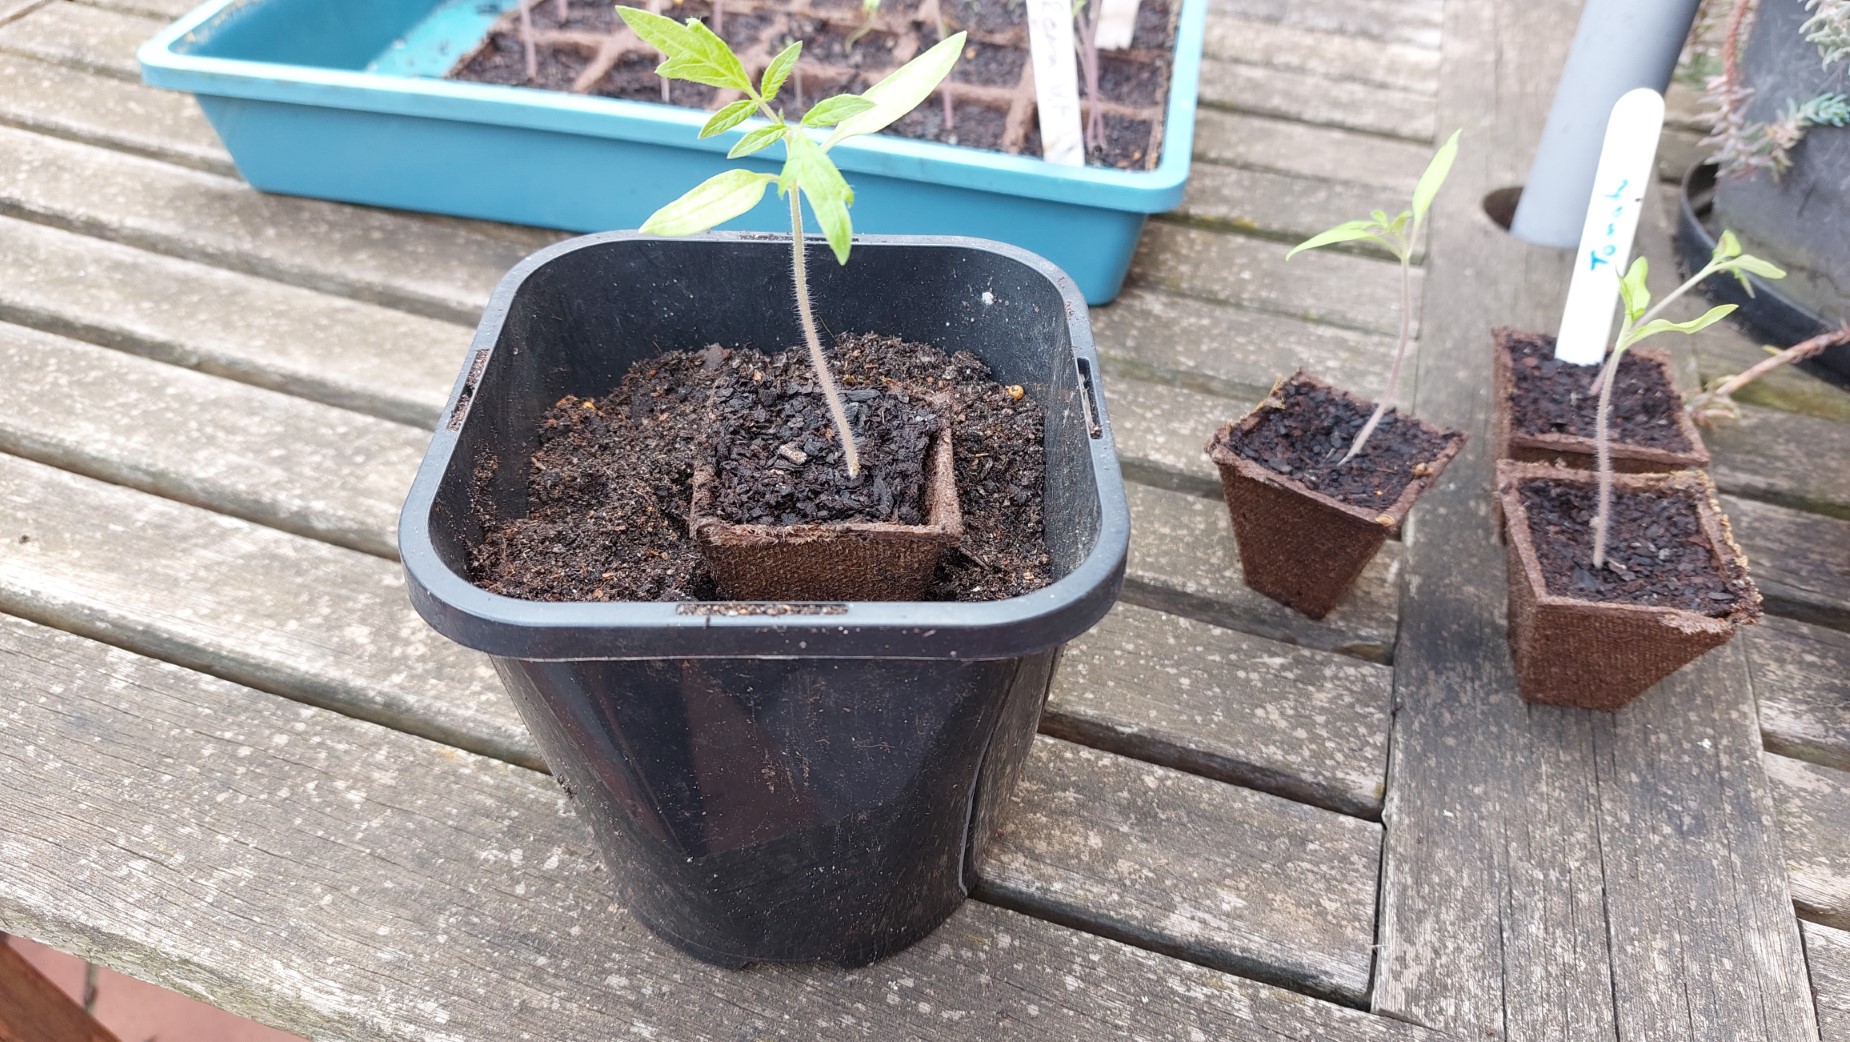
x,y
233,761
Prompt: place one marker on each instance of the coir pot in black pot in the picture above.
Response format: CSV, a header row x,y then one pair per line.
x,y
773,782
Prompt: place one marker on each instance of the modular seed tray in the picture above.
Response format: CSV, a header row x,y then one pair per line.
x,y
349,100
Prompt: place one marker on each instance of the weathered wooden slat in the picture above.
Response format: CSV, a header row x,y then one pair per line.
x,y
1312,99
1361,293
428,267
1772,455
1183,560
346,882
102,110
330,349
301,466
1283,207
1226,350
1828,953
340,634
11,9
164,9
1333,56
1288,147
1814,819
326,625
1102,841
1800,561
1415,22
81,36
1308,725
1553,874
1801,677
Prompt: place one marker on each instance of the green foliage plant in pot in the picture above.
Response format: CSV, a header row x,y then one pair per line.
x,y
782,780
1315,478
1547,408
1617,580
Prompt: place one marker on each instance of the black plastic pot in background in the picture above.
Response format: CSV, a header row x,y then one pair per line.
x,y
1780,319
773,782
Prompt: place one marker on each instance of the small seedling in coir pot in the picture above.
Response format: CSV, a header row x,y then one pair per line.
x,y
768,554
1618,580
1312,491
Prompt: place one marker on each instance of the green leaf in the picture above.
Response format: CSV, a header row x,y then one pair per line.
x,y
757,140
1652,328
727,118
1726,248
1434,176
810,170
664,34
1755,266
693,52
830,111
1633,291
902,90
716,200
1347,231
779,70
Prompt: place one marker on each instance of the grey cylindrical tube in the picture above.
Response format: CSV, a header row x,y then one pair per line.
x,y
1620,45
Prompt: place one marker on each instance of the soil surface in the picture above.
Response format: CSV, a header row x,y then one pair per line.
x,y
1305,439
1550,396
991,89
611,482
780,463
1656,554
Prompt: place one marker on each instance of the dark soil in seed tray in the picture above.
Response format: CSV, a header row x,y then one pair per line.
x,y
1656,553
1549,396
611,483
1305,439
591,51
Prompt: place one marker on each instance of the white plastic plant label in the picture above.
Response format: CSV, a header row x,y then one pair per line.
x,y
1619,185
1056,80
1117,23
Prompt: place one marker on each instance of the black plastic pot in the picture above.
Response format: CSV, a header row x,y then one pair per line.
x,y
773,782
1781,319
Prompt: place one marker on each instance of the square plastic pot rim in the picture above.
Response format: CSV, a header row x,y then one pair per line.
x,y
576,630
165,62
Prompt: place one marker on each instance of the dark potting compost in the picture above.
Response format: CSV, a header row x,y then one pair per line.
x,y
987,103
1549,396
1306,438
611,482
1657,553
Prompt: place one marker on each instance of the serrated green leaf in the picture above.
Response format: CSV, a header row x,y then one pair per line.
x,y
812,172
1348,231
1633,291
779,70
1661,325
714,201
727,118
1436,172
694,53
757,140
830,111
664,34
902,90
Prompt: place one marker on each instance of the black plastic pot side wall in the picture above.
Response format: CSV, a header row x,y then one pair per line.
x,y
789,782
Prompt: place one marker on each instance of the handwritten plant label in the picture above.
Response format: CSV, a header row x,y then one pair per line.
x,y
1056,80
1619,184
1117,23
